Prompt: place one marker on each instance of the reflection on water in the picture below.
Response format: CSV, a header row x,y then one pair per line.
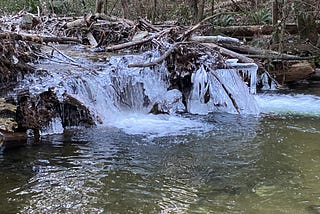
x,y
239,165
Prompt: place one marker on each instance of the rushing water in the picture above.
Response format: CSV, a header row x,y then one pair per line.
x,y
218,163
141,163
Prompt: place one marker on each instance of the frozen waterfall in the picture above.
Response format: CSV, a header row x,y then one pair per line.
x,y
223,90
109,88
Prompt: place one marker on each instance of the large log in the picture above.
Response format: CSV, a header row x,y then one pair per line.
x,y
254,52
252,30
37,38
293,72
113,19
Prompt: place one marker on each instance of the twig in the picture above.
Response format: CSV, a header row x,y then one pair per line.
x,y
64,55
134,43
195,27
234,103
157,61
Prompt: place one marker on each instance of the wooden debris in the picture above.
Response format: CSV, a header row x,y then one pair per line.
x,y
85,21
37,38
215,39
138,42
157,61
293,72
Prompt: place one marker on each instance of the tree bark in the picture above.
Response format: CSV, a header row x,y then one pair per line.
x,y
99,4
38,39
201,10
134,43
275,19
125,8
193,4
252,30
105,7
306,23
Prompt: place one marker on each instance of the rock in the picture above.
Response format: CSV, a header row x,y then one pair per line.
x,y
140,35
316,75
29,21
12,139
8,124
7,115
171,103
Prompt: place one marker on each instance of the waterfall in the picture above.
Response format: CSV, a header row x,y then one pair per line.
x,y
223,90
108,88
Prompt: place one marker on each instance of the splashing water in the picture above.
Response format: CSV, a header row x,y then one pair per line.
x,y
297,104
118,96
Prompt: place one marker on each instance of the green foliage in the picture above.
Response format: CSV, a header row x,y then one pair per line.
x,y
13,6
182,14
32,5
261,17
60,7
223,20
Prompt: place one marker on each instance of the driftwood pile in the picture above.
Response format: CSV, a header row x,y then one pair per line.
x,y
23,34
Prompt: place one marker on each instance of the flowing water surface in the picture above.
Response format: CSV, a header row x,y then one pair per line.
x,y
216,163
141,163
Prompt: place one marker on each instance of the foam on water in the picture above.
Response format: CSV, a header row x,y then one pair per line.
x,y
297,104
157,125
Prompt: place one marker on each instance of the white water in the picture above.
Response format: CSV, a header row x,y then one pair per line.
x,y
158,125
294,104
121,97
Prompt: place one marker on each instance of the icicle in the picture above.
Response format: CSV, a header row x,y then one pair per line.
x,y
200,83
265,81
196,101
228,93
54,127
249,69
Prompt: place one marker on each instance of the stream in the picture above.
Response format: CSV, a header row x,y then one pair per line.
x,y
184,163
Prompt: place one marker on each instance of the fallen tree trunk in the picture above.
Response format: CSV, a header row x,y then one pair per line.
x,y
37,38
254,52
215,39
113,19
230,53
293,72
85,21
252,30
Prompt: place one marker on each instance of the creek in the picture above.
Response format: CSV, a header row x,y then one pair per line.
x,y
173,163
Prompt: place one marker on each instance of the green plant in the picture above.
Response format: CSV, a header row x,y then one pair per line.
x,y
261,17
223,20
